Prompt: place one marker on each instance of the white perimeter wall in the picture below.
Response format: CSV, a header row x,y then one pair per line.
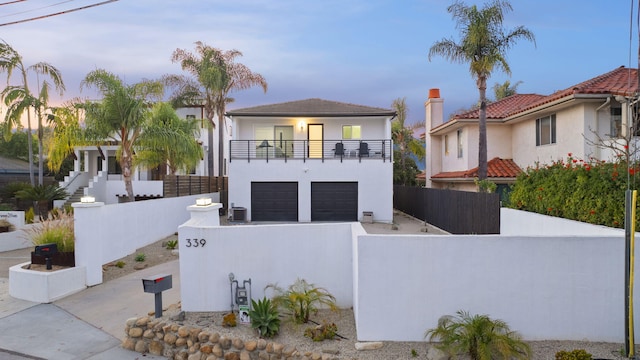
x,y
105,233
372,175
318,253
524,223
545,287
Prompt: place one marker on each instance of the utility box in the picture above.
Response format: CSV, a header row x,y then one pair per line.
x,y
367,217
157,284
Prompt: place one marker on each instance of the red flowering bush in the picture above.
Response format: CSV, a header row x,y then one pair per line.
x,y
591,191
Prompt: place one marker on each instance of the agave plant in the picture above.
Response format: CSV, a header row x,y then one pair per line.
x,y
478,336
264,318
302,298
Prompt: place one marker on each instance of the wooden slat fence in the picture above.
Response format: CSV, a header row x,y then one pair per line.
x,y
457,212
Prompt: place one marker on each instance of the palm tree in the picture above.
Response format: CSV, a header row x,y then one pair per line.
x,y
478,336
215,75
10,61
483,45
42,196
66,134
119,116
406,144
505,89
169,141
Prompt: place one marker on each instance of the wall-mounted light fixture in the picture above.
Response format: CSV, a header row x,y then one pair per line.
x,y
301,125
87,199
203,201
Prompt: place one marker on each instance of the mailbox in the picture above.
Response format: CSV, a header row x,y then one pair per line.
x,y
46,250
157,284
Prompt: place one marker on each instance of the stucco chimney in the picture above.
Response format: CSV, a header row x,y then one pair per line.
x,y
434,108
434,116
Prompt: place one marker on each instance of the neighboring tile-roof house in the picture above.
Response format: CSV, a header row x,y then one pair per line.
x,y
496,168
311,107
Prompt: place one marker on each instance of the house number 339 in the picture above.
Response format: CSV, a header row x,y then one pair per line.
x,y
196,243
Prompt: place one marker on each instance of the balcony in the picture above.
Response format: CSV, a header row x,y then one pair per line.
x,y
330,150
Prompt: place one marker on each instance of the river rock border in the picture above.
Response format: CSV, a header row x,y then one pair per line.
x,y
157,337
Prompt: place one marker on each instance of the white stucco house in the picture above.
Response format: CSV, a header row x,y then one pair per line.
x,y
528,129
97,173
311,160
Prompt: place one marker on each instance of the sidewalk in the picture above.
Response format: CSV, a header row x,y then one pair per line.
x,y
87,325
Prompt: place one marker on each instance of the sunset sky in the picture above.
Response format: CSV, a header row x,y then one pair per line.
x,y
366,52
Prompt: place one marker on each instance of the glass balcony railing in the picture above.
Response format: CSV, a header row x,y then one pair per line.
x,y
286,150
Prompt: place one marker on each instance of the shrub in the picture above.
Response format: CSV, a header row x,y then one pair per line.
x,y
7,224
301,299
58,231
578,354
229,320
478,336
120,264
43,195
264,318
6,207
172,244
321,332
589,191
140,257
29,215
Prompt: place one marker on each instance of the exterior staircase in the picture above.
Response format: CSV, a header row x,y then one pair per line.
x,y
75,197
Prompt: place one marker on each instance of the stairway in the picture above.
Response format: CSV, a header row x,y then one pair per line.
x,y
75,197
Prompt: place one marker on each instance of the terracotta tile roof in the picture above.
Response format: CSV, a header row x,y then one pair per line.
x,y
620,81
496,168
312,107
504,107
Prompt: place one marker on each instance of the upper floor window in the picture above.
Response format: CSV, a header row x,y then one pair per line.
x,y
446,144
616,121
459,133
114,166
546,130
351,132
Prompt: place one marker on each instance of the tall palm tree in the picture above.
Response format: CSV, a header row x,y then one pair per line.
x,y
406,144
11,61
169,141
120,115
483,45
215,74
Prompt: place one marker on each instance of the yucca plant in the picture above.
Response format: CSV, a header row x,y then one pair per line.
x,y
478,336
301,299
264,318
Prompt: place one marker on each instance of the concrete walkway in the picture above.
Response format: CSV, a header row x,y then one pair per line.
x,y
90,324
87,325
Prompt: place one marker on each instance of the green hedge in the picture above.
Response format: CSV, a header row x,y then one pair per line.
x,y
590,191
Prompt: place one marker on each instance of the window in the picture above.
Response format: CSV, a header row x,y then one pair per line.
x,y
616,122
459,133
351,132
114,166
546,130
446,144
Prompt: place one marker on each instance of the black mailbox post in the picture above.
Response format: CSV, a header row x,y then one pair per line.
x,y
47,250
156,285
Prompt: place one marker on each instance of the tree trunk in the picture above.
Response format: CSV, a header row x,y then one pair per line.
x,y
210,149
40,155
30,147
125,164
482,129
221,143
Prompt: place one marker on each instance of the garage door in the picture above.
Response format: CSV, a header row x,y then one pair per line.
x,y
334,201
274,201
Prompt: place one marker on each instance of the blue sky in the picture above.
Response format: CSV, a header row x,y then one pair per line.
x,y
366,52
